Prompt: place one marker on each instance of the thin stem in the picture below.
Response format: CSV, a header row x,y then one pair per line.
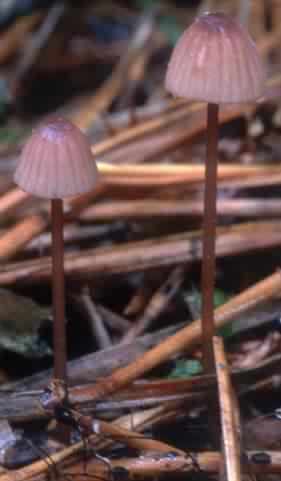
x,y
209,237
59,333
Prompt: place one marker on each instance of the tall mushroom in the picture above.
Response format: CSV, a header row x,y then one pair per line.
x,y
214,61
55,163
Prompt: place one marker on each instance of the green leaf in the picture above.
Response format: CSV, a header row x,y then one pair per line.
x,y
220,298
170,27
20,321
168,24
9,136
186,368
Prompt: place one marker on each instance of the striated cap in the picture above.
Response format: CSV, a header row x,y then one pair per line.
x,y
56,162
216,61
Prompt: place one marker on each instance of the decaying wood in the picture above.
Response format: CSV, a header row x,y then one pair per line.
x,y
11,40
164,466
145,255
94,365
11,200
19,400
157,304
160,465
36,43
150,208
25,230
73,234
13,241
115,321
116,430
118,433
185,173
102,99
266,289
192,173
97,326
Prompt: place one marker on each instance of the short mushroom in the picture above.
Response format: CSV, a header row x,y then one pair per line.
x,y
55,163
214,61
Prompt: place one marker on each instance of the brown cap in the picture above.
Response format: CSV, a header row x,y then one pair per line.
x,y
56,162
216,61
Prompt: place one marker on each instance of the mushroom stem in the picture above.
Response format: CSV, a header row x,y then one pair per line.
x,y
59,333
209,237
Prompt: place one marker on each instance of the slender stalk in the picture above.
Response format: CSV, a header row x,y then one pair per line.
x,y
59,334
58,292
209,238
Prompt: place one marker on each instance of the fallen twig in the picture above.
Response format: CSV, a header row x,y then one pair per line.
x,y
157,303
231,441
16,34
102,99
182,340
144,255
150,208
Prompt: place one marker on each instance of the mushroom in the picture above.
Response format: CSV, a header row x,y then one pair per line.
x,y
55,163
214,61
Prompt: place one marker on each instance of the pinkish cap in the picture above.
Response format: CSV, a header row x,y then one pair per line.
x,y
56,162
216,61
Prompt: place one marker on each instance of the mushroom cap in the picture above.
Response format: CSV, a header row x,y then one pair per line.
x,y
216,61
56,162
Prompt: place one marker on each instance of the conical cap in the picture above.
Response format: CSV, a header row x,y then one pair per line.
x,y
216,61
56,162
